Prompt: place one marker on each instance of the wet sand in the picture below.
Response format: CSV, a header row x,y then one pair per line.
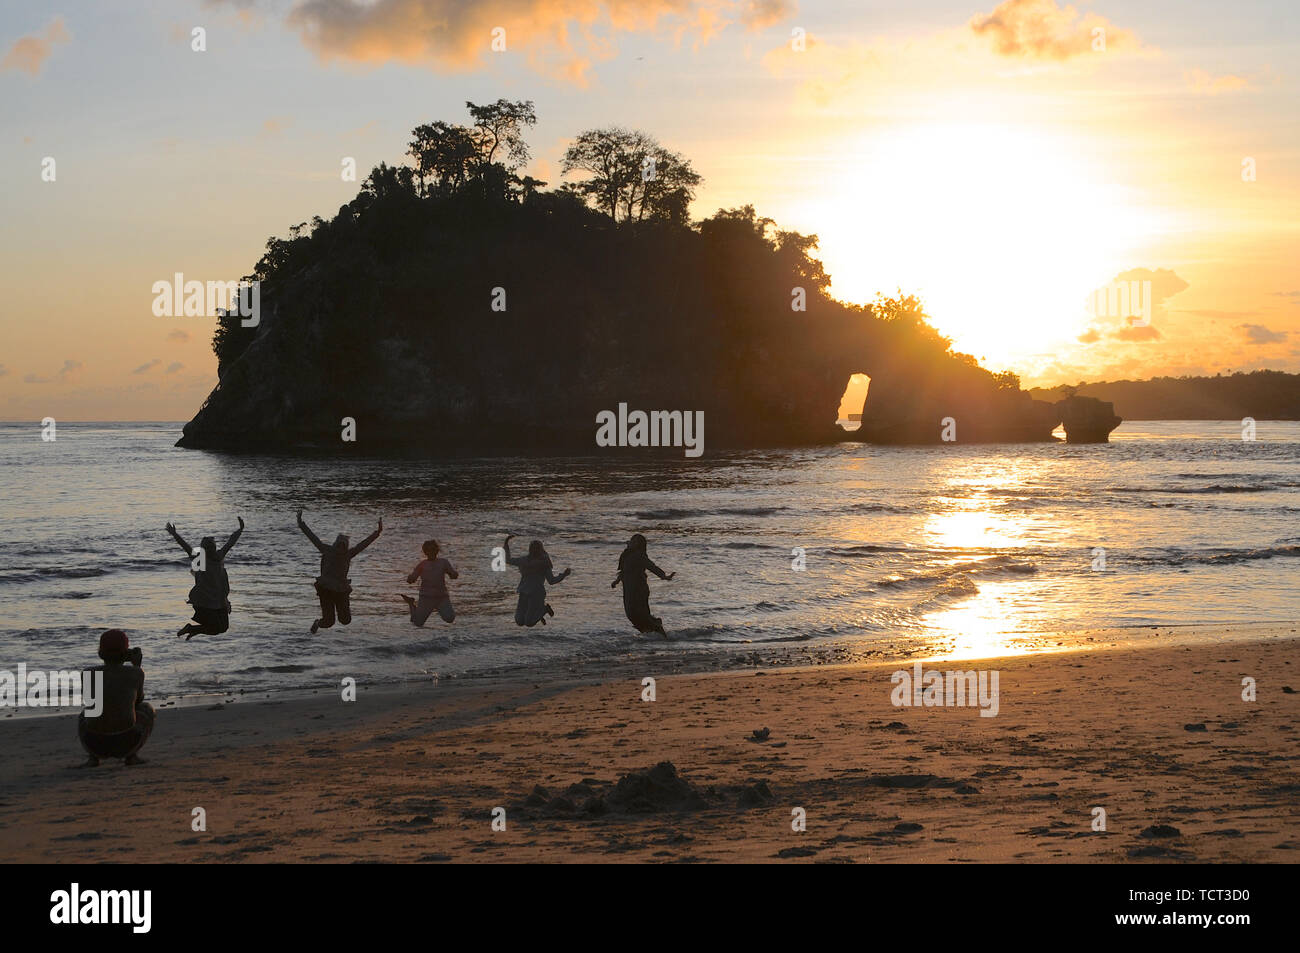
x,y
1157,736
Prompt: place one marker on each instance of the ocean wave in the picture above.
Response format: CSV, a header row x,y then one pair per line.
x,y
1215,557
62,634
1019,504
103,566
1212,488
52,550
437,643
866,549
679,514
1243,477
17,576
877,508
731,635
953,589
993,566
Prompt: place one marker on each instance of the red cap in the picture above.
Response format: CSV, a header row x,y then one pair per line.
x,y
113,642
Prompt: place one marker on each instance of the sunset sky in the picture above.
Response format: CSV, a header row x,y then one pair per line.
x,y
992,158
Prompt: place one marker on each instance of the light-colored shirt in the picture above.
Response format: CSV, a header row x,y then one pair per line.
x,y
433,574
534,573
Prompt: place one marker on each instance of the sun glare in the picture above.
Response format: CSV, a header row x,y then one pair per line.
x,y
1003,233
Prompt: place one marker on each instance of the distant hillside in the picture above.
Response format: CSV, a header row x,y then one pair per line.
x,y
1263,395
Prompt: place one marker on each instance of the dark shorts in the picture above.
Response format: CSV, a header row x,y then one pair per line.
x,y
428,605
333,604
120,743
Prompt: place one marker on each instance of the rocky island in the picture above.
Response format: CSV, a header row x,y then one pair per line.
x,y
456,307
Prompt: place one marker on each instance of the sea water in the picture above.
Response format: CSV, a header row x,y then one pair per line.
x,y
814,554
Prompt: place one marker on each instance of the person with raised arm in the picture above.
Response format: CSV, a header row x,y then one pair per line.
x,y
211,590
535,571
333,587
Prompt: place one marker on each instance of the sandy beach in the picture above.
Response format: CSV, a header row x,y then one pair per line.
x,y
1158,736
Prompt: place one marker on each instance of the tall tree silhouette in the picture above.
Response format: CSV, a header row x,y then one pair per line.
x,y
631,177
444,152
499,127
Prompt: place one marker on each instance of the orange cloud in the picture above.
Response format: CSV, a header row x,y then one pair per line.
x,y
1138,333
1152,288
29,53
1040,30
1202,82
761,14
561,38
1258,334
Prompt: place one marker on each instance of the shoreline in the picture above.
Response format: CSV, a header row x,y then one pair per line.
x,y
1157,735
761,655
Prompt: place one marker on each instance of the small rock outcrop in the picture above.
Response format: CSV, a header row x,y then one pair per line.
x,y
939,399
1086,419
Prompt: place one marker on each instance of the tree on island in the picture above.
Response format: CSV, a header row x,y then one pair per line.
x,y
630,176
453,156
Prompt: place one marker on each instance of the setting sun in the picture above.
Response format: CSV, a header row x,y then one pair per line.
x,y
1005,232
